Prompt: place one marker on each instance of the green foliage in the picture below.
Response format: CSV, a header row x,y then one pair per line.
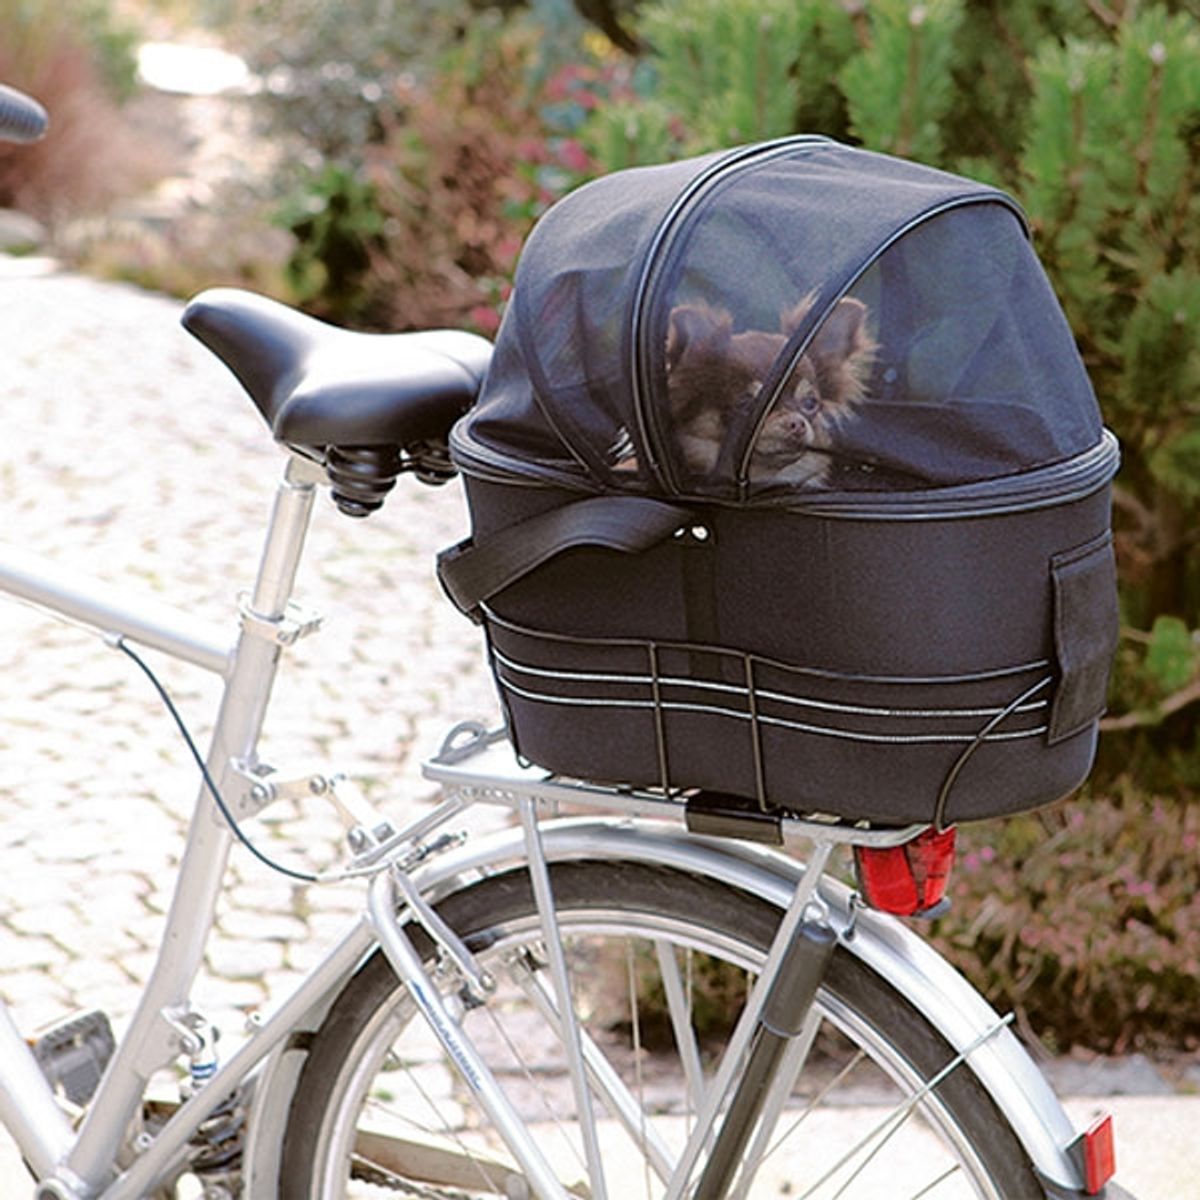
x,y
899,88
984,127
732,63
1171,657
336,219
633,133
420,224
726,71
1109,176
326,66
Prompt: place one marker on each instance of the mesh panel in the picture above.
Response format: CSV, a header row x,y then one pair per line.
x,y
908,384
792,317
562,361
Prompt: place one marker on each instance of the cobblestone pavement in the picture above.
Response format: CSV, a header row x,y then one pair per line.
x,y
129,454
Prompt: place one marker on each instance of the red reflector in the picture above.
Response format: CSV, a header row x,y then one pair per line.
x,y
908,880
1099,1155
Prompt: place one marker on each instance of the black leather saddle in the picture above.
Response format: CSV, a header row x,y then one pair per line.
x,y
370,404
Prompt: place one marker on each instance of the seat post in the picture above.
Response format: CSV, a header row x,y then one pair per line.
x,y
285,538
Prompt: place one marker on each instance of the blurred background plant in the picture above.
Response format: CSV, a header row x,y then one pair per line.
x,y
410,145
79,61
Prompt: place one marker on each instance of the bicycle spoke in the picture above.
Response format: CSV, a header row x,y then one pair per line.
x,y
639,1082
885,1130
612,1090
851,1113
679,1007
937,1183
551,1113
817,1100
427,1160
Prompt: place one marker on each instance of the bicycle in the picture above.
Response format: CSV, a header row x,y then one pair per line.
x,y
470,947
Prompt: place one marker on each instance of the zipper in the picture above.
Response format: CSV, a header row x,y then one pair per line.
x,y
481,462
1074,478
669,228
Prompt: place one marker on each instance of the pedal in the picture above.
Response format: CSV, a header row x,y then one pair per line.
x,y
73,1055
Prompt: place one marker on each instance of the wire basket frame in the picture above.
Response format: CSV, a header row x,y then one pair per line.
x,y
752,695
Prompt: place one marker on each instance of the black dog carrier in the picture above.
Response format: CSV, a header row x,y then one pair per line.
x,y
787,482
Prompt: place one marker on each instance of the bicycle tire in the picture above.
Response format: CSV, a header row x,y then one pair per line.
x,y
496,916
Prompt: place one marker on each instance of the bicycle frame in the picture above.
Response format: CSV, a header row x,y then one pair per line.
x,y
156,1034
72,1165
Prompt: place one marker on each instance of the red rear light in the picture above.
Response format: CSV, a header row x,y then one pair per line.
x,y
908,880
1096,1153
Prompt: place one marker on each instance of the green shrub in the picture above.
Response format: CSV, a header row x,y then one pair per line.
x,y
326,67
424,228
1109,175
336,219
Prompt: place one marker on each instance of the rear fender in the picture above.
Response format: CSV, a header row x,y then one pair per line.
x,y
882,943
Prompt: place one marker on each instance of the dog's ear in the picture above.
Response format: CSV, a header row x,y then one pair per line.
x,y
792,318
842,335
696,327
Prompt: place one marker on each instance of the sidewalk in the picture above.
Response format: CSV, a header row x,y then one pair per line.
x,y
129,453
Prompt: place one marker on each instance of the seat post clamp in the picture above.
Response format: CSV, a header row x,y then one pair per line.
x,y
295,623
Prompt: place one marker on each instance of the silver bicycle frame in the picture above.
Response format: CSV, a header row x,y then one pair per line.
x,y
73,1166
82,1163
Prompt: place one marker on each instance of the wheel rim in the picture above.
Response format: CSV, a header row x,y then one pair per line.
x,y
927,1154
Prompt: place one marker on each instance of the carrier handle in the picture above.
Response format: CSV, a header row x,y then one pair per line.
x,y
471,573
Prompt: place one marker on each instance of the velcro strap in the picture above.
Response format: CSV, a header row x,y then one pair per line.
x,y
472,573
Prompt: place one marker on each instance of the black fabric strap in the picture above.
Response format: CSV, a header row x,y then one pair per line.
x,y
473,572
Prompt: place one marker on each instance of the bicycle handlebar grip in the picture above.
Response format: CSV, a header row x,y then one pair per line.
x,y
22,118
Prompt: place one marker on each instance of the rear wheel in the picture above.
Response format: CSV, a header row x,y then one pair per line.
x,y
658,960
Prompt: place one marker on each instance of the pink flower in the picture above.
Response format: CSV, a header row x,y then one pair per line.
x,y
558,86
573,156
485,319
532,150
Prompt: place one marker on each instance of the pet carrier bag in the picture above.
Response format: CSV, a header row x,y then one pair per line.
x,y
787,482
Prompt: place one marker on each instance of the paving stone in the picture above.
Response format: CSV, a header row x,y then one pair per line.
x,y
253,924
242,958
35,998
1134,1075
229,996
94,982
48,920
265,893
25,952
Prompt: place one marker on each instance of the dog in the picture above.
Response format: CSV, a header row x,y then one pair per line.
x,y
714,376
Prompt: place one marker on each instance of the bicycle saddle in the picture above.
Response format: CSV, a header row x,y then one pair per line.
x,y
369,405
317,385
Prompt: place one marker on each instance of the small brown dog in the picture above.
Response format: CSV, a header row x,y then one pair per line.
x,y
714,376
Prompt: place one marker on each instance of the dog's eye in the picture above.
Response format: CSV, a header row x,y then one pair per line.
x,y
807,400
